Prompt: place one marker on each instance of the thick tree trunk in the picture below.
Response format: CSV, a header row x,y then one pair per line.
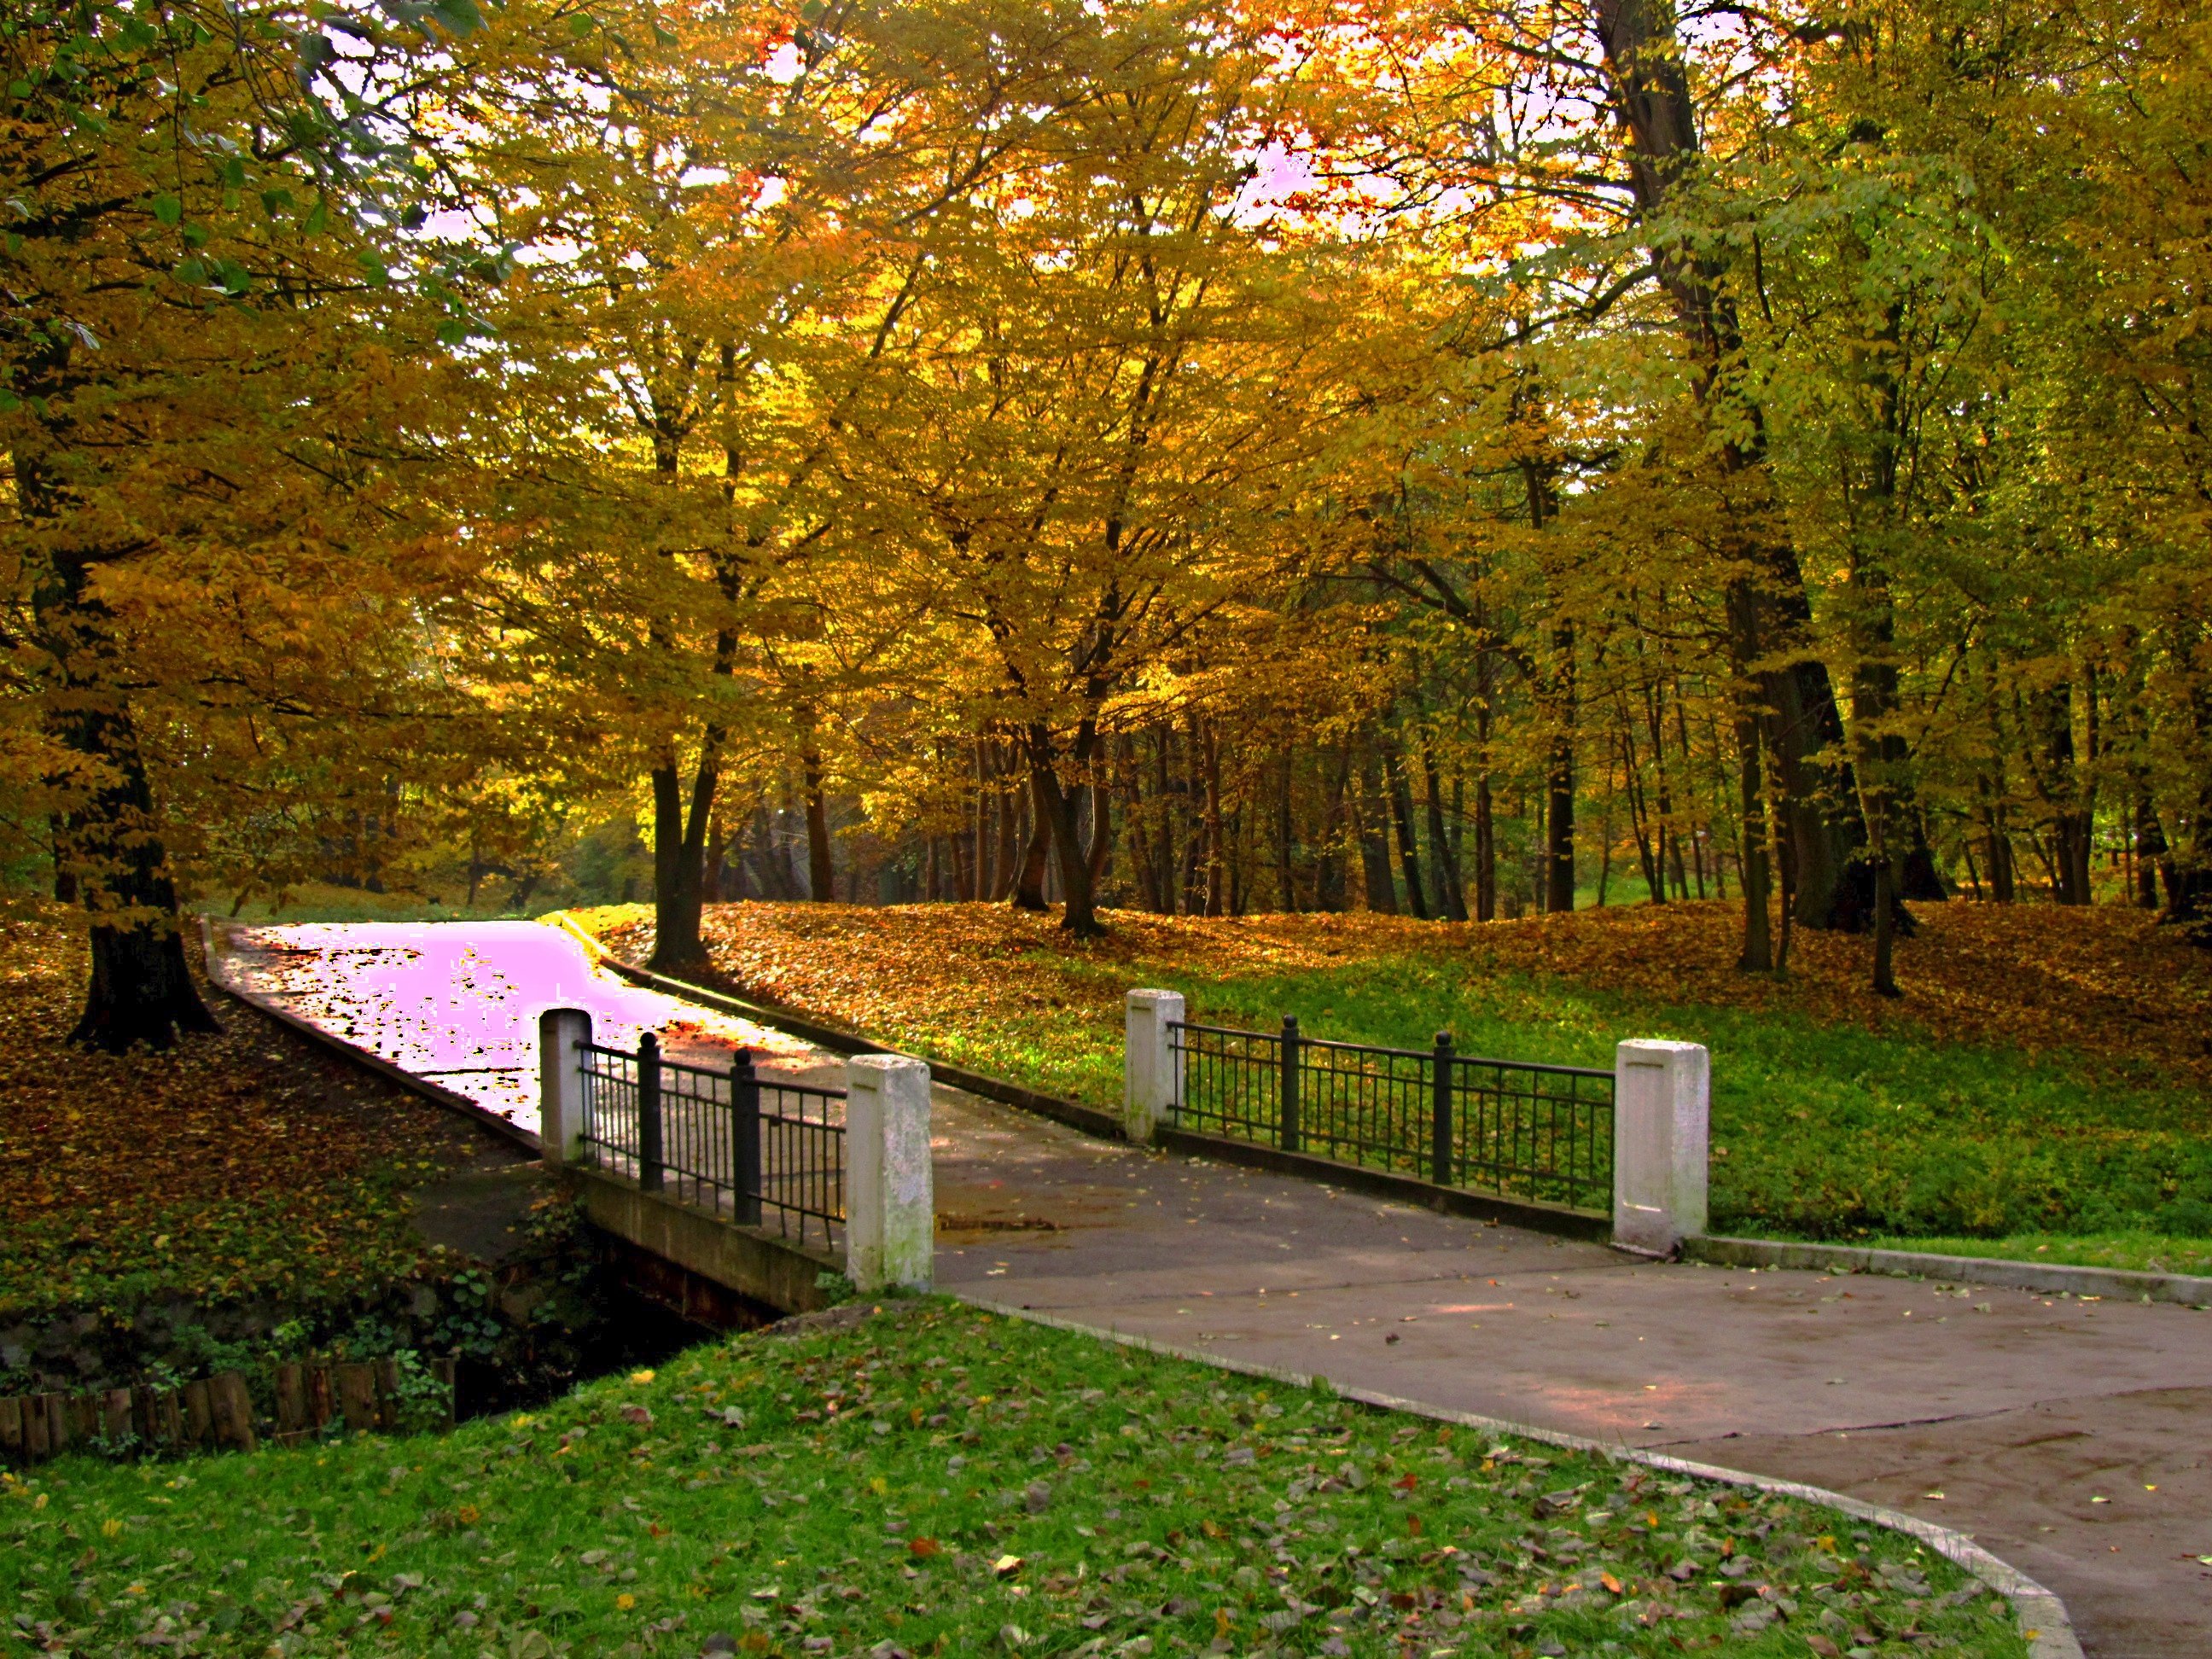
x,y
679,857
821,873
1028,881
140,989
1056,810
108,852
2150,849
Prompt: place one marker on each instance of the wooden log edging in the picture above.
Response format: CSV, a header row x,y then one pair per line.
x,y
215,1414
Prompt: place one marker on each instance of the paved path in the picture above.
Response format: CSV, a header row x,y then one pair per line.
x,y
2001,1414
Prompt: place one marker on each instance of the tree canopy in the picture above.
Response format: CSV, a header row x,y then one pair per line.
x,y
1454,459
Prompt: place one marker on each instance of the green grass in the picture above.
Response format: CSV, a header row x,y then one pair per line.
x,y
949,1483
1819,1131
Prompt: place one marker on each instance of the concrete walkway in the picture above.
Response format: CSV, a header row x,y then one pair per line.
x,y
2070,1437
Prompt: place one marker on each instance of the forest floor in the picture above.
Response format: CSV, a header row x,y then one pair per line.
x,y
2044,1086
932,1479
248,1163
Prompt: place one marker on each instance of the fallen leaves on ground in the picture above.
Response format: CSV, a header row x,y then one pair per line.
x,y
2106,982
1965,1109
246,1163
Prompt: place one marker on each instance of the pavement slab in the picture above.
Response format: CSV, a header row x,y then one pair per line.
x,y
2003,1415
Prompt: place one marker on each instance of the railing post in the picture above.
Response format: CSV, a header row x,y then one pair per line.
x,y
649,1161
891,1214
1293,1137
1661,1111
745,1138
1151,1082
562,1034
1440,1112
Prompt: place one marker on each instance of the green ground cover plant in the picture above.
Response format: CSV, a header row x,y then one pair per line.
x,y
928,1479
2039,1086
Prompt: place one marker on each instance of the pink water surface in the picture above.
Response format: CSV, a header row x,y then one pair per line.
x,y
458,1002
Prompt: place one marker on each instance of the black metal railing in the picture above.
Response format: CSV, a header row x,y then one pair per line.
x,y
1510,1127
758,1149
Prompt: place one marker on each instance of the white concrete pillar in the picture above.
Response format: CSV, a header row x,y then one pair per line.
x,y
1150,1081
891,1207
1661,1107
560,1084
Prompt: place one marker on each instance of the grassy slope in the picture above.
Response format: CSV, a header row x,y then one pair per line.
x,y
952,1484
2047,1074
246,1164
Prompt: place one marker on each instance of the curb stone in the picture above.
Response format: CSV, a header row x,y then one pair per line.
x,y
2112,1283
2043,1617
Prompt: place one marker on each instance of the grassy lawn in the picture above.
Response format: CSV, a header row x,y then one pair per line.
x,y
935,1480
248,1163
2046,1080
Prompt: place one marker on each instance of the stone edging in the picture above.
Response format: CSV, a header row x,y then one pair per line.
x,y
2043,1617
504,1127
2115,1283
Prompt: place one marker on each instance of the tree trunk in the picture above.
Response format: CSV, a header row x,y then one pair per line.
x,y
1328,868
1099,853
1006,874
1374,841
1560,825
1650,94
2150,850
1056,810
820,877
108,854
1217,868
1757,956
1401,812
140,989
2059,781
1029,883
679,857
1286,884
1452,901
